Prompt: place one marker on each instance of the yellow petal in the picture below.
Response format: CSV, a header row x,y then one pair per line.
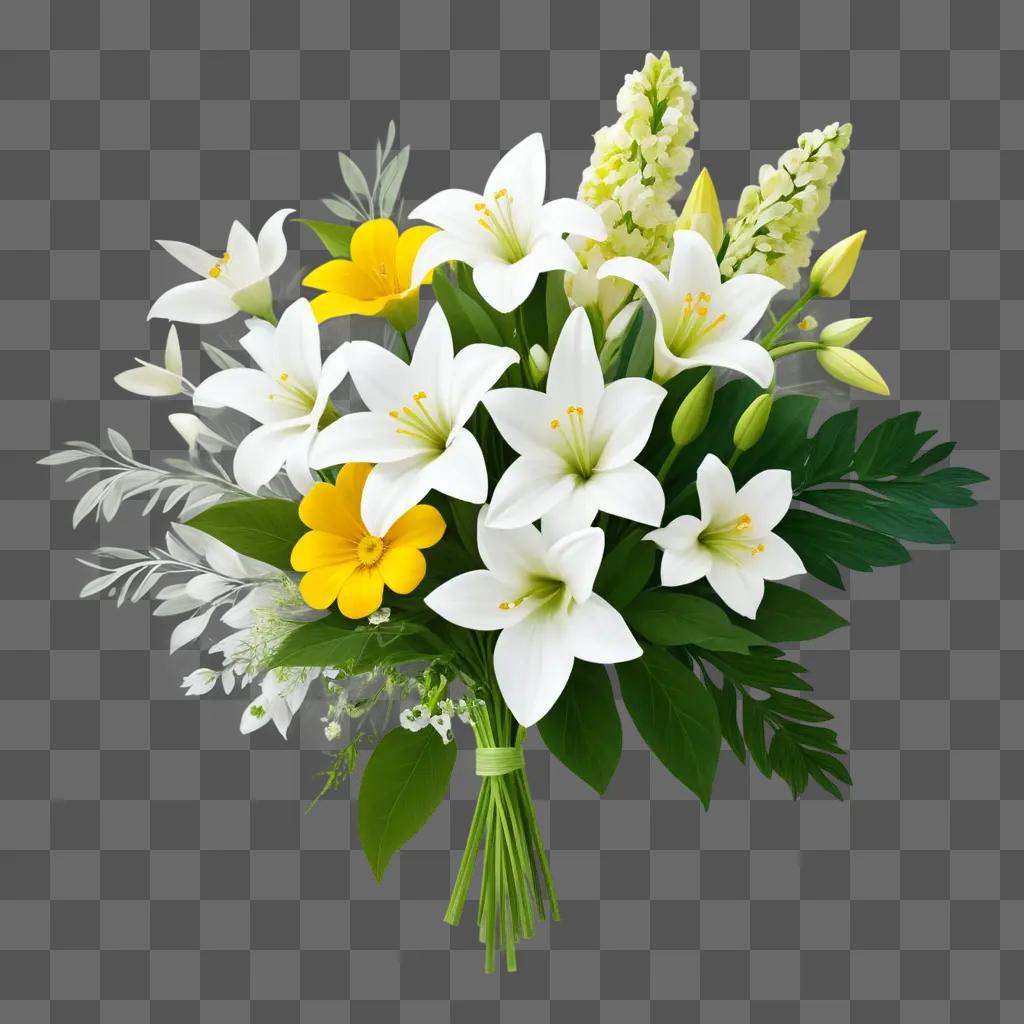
x,y
361,593
403,569
405,254
331,304
317,550
320,587
373,247
335,509
344,277
421,527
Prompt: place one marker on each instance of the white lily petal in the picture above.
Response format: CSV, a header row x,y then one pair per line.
x,y
599,633
766,498
297,463
715,487
744,299
574,512
528,489
459,471
571,217
552,252
522,417
453,210
297,341
260,456
447,246
381,378
514,556
244,267
199,261
694,267
629,491
259,343
523,171
248,391
777,560
432,359
574,376
332,373
506,286
195,302
149,381
258,713
473,601
575,559
625,419
363,437
172,352
746,357
393,488
680,533
651,282
271,244
684,564
476,370
532,662
740,589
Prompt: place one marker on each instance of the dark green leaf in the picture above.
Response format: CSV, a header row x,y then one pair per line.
x,y
784,442
787,614
797,708
890,447
336,238
753,734
262,528
675,715
640,357
583,729
465,516
766,669
901,520
404,781
787,760
626,569
463,332
832,448
556,304
332,641
725,701
670,619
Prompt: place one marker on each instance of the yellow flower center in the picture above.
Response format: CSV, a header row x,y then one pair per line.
x,y
418,422
727,540
694,325
220,266
577,447
370,550
498,220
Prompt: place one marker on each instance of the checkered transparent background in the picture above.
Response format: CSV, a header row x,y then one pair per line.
x,y
157,866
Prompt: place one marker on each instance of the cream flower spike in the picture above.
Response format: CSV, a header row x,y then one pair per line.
x,y
700,320
236,281
508,234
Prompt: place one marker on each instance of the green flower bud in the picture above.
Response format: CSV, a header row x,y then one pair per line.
x,y
539,362
702,212
692,415
852,368
751,424
833,269
842,332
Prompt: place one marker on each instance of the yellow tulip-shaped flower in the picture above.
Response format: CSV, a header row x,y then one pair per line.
x,y
343,561
377,280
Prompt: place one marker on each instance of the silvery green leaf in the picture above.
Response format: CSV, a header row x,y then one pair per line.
x,y
342,208
120,444
115,552
219,357
98,585
86,471
354,178
88,502
390,139
59,458
151,504
391,180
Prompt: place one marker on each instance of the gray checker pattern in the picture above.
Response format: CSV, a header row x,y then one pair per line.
x,y
157,866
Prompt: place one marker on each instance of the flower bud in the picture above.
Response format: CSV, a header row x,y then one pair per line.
x,y
692,415
842,332
539,362
852,368
751,424
702,212
834,267
808,323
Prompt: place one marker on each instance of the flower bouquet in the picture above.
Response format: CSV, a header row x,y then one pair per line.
x,y
583,472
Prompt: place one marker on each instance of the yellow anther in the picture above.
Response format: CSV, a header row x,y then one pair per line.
x,y
419,396
370,549
226,258
484,224
555,424
718,319
394,414
757,550
215,271
504,606
703,297
689,298
270,398
284,376
479,206
702,311
579,410
570,410
743,523
501,193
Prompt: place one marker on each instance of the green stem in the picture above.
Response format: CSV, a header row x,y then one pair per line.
x,y
405,346
669,461
792,348
783,322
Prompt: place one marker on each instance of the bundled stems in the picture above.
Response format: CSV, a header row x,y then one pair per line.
x,y
515,876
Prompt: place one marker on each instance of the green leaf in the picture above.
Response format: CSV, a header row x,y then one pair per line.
x,y
626,569
556,305
670,619
832,448
583,729
766,669
726,703
262,528
945,488
787,614
639,357
787,760
463,332
896,519
889,448
465,517
784,442
356,648
753,734
336,238
675,715
404,781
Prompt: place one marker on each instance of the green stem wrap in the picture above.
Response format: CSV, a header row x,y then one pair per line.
x,y
499,760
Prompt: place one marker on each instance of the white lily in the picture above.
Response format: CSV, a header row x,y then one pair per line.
x,y
288,395
700,320
732,543
538,589
281,696
152,381
238,280
414,430
578,442
196,434
508,234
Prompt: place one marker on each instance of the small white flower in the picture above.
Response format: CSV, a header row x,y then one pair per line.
x,y
287,395
196,434
442,724
379,617
332,730
538,589
201,681
152,381
508,234
238,280
281,696
732,543
415,718
578,442
700,320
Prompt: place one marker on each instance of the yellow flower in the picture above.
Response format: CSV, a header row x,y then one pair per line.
x,y
343,561
376,281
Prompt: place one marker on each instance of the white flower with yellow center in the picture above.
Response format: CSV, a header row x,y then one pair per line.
x,y
414,430
237,280
700,320
731,543
578,442
288,395
538,589
508,234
